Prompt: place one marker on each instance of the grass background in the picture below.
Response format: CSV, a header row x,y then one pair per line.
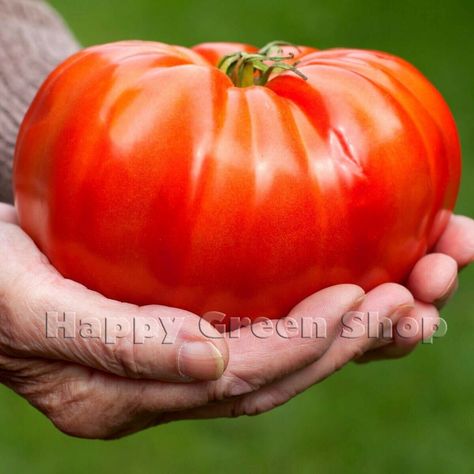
x,y
413,415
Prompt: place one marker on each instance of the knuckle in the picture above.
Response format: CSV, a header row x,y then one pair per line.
x,y
68,406
349,353
127,358
356,289
123,356
24,303
353,351
262,402
79,410
356,352
63,398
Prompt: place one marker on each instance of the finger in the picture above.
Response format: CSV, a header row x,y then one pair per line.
x,y
389,301
50,317
434,279
269,350
457,240
8,213
256,361
421,323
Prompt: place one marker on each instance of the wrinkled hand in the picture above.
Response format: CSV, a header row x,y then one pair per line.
x,y
96,390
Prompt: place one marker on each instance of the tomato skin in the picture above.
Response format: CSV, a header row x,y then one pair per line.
x,y
143,173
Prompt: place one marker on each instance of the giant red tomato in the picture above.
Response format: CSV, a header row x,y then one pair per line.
x,y
144,172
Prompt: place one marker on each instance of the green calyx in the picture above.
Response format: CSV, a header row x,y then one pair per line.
x,y
255,69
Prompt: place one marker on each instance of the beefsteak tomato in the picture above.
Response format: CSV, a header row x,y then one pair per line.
x,y
147,173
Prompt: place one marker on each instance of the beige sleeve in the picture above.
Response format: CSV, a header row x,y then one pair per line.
x,y
33,40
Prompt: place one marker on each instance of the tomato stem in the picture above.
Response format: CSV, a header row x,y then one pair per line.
x,y
249,69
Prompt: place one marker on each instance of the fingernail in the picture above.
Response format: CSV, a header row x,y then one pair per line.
x,y
401,312
200,361
448,294
355,305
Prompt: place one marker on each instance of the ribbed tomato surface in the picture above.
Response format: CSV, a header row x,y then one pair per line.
x,y
142,172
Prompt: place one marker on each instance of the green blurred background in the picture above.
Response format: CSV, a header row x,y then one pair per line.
x,y
412,415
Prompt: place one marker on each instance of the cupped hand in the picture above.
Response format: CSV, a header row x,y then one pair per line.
x,y
92,389
433,281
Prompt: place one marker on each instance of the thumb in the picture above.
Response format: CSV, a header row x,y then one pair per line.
x,y
47,316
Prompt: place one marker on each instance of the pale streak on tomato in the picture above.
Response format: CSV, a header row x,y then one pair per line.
x,y
142,172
